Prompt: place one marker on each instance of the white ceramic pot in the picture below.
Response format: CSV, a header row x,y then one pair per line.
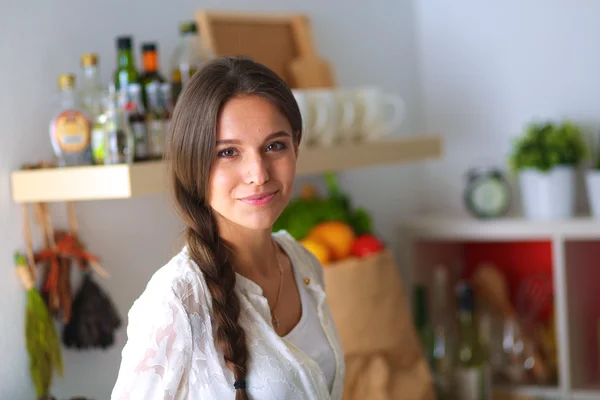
x,y
548,195
592,181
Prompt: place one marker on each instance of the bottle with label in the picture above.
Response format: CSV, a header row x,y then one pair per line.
x,y
70,129
120,143
443,343
92,96
137,119
151,71
126,72
189,55
472,372
156,118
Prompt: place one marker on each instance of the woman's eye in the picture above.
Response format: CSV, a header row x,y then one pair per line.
x,y
227,153
277,146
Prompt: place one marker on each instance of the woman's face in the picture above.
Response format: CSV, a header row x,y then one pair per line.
x,y
252,178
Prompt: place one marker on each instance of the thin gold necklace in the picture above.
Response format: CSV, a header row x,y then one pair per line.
x,y
275,320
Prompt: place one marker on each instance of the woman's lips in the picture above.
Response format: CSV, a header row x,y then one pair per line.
x,y
259,199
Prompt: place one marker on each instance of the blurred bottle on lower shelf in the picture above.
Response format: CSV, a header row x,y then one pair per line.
x,y
443,341
472,371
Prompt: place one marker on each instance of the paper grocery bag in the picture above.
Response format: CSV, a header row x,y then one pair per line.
x,y
369,306
384,359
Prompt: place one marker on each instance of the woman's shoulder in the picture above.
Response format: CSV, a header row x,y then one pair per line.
x,y
177,281
301,257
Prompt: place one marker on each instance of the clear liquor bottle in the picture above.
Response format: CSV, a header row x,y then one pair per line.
x,y
93,96
70,128
120,143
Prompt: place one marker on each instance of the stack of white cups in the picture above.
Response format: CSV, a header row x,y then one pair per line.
x,y
344,115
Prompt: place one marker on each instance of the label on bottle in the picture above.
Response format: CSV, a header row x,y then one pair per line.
x,y
156,136
72,131
141,140
472,384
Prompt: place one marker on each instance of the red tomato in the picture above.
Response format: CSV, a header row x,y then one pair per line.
x,y
366,244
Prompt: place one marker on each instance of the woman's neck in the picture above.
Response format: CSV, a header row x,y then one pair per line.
x,y
253,251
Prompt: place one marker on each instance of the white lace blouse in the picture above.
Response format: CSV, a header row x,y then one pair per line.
x,y
170,352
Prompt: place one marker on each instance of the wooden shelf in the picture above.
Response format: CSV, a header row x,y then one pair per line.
x,y
125,181
525,392
466,228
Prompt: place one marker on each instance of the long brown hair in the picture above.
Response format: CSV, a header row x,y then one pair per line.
x,y
190,153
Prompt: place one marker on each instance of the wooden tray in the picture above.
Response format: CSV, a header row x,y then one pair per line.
x,y
269,38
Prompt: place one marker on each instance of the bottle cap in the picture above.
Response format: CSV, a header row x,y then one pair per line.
x,y
188,27
89,60
149,46
66,81
124,42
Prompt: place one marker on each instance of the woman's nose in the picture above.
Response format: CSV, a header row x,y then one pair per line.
x,y
256,170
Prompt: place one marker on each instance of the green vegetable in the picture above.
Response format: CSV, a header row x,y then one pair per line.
x,y
361,222
301,215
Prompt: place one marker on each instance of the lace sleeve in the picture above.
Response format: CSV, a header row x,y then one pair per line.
x,y
156,356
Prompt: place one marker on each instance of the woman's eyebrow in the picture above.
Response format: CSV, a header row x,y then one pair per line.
x,y
272,136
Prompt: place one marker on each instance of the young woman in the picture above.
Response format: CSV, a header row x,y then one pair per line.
x,y
240,312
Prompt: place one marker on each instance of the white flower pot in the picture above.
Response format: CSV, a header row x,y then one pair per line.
x,y
548,195
592,180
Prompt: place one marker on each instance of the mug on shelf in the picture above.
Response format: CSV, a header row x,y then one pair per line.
x,y
380,112
312,121
337,109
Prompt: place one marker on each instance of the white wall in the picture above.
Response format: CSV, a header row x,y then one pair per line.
x,y
372,43
488,68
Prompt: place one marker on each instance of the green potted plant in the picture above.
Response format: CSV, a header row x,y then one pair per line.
x,y
545,158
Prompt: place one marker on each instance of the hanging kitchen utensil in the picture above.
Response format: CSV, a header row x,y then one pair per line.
x,y
43,346
94,318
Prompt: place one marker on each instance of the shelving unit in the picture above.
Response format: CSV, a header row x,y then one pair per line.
x,y
570,248
126,181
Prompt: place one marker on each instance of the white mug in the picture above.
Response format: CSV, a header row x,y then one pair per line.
x,y
339,113
312,121
381,112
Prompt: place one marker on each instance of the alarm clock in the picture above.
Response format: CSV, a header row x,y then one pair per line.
x,y
487,194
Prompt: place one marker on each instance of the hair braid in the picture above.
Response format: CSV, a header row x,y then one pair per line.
x,y
212,257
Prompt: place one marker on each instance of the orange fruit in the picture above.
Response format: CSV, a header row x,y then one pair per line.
x,y
336,235
319,250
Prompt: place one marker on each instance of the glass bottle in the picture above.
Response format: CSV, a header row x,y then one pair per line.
x,y
156,118
189,55
442,342
70,128
119,145
421,320
137,120
167,103
126,71
473,381
92,96
151,71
